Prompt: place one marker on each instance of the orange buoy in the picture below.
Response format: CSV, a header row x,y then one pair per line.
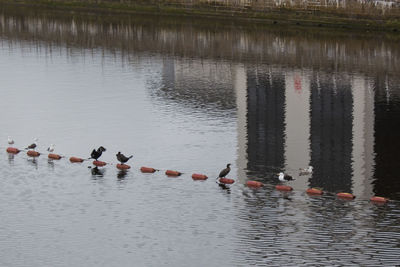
x,y
226,181
314,191
283,187
346,195
13,150
54,156
123,166
147,170
172,173
75,160
254,184
379,199
33,153
197,176
99,163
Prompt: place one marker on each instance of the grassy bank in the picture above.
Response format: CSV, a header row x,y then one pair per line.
x,y
357,18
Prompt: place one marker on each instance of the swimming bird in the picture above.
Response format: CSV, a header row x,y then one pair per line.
x,y
10,141
284,177
122,158
225,171
306,171
33,146
97,153
51,148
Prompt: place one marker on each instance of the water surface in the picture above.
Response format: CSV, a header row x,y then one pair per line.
x,y
190,96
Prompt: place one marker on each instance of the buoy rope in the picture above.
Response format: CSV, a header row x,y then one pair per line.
x,y
158,169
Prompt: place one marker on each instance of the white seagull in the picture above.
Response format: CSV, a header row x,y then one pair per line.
x,y
306,171
10,141
33,146
284,177
51,148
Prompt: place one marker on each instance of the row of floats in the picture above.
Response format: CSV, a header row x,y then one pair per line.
x,y
197,176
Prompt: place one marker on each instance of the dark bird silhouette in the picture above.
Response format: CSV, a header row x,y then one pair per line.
x,y
97,153
33,146
225,171
122,158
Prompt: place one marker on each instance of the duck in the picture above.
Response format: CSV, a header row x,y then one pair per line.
x,y
225,171
306,171
96,154
122,158
10,141
51,148
284,177
33,145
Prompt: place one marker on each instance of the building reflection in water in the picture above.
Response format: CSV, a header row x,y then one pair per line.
x,y
331,111
297,118
265,121
299,99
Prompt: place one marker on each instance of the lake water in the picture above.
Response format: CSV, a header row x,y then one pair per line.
x,y
193,96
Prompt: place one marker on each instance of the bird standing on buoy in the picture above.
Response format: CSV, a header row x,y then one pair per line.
x,y
51,148
97,153
10,141
34,145
284,177
122,158
306,171
225,171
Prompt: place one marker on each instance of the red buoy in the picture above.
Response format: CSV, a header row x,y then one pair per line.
x,y
13,150
147,170
346,195
54,156
197,176
99,163
226,181
172,173
33,153
379,199
75,160
254,184
123,166
314,191
283,187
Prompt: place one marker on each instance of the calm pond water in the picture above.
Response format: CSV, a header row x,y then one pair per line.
x,y
193,96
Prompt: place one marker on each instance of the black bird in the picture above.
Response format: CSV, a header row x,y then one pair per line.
x,y
97,153
225,171
122,158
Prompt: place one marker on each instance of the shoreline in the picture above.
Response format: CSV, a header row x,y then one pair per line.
x,y
279,16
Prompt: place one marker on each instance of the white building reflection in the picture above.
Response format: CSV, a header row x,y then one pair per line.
x,y
301,118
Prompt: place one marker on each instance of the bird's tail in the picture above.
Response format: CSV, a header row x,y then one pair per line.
x,y
130,157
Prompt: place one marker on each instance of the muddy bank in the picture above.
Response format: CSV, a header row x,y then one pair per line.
x,y
353,15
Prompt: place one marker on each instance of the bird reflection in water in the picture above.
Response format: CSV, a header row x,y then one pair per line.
x,y
225,187
121,174
34,162
97,172
51,164
10,158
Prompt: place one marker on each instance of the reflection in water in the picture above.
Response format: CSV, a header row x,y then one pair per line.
x,y
294,99
121,174
265,121
96,172
33,161
50,163
10,158
331,111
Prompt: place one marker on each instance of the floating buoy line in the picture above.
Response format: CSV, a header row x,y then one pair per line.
x,y
195,176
